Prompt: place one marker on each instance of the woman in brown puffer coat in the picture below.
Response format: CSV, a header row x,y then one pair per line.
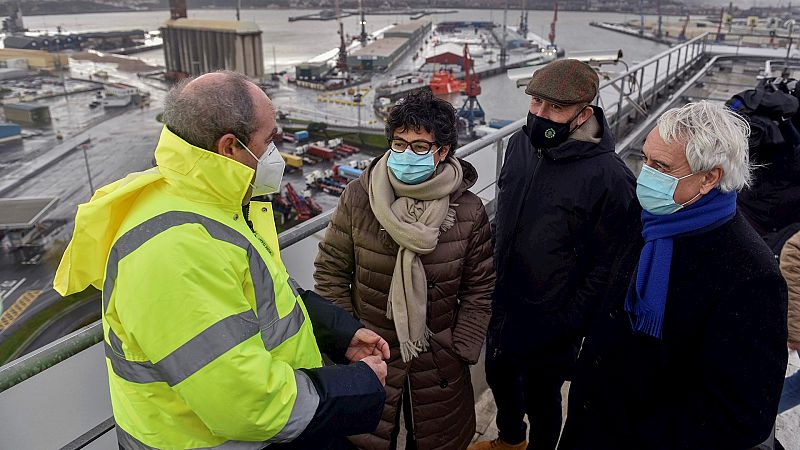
x,y
408,252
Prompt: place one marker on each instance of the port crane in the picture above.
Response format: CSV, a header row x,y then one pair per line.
x,y
552,35
471,111
341,60
682,36
363,37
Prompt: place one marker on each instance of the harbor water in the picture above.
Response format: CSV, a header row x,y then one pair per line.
x,y
295,42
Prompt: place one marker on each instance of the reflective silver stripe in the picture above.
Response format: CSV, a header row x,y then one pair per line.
x,y
266,309
129,442
133,371
305,405
284,328
274,329
138,235
295,286
115,341
190,357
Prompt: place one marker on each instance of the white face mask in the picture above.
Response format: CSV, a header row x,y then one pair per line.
x,y
269,170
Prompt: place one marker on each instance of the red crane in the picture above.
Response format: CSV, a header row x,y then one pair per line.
x,y
472,84
471,110
552,35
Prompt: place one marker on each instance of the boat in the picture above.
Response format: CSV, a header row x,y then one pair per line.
x,y
443,82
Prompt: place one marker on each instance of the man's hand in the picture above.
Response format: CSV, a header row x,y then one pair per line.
x,y
366,343
792,345
378,366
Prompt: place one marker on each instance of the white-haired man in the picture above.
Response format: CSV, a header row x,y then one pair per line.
x,y
689,349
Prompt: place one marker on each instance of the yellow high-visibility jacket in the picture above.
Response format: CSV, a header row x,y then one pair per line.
x,y
205,333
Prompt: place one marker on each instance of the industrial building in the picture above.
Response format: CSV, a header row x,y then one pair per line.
x,y
10,132
381,54
50,43
27,114
36,59
447,54
193,47
411,30
311,71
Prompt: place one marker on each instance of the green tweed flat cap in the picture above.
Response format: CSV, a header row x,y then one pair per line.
x,y
565,82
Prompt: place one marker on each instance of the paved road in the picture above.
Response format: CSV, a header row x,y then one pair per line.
x,y
66,324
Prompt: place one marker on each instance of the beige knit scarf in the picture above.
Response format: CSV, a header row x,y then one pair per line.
x,y
413,215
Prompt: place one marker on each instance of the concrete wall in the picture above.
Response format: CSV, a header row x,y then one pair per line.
x,y
198,51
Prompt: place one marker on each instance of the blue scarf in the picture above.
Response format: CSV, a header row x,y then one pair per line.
x,y
647,299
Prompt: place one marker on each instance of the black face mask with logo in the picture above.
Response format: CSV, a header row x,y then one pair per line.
x,y
544,133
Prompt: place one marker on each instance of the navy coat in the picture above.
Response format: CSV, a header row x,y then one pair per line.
x,y
714,379
556,227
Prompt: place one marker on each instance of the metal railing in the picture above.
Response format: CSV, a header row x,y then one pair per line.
x,y
657,74
642,86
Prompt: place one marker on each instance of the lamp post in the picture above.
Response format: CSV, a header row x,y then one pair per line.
x,y
357,99
790,24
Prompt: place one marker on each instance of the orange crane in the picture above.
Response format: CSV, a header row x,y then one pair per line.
x,y
471,110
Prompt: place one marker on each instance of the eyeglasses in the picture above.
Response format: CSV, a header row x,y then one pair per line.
x,y
420,146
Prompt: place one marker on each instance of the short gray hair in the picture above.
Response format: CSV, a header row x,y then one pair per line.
x,y
200,116
714,136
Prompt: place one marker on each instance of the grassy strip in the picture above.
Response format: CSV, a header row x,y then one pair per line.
x,y
33,325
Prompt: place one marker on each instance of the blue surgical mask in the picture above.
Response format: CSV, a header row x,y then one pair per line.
x,y
411,168
656,191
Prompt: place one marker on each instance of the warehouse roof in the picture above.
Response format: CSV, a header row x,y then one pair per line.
x,y
382,47
408,27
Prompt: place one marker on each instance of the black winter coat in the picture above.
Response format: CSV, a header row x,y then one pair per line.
x,y
714,380
557,223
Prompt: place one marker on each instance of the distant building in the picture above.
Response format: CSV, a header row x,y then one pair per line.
x,y
50,43
383,53
13,23
10,132
410,30
27,114
14,63
120,90
36,59
194,47
378,55
447,54
311,71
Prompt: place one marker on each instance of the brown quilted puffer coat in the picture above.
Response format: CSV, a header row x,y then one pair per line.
x,y
354,269
790,268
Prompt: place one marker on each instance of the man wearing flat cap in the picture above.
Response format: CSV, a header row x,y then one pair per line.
x,y
563,195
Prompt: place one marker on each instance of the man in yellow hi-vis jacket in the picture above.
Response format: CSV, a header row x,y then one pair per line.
x,y
209,342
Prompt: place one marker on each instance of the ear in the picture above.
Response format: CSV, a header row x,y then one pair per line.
x,y
585,115
443,152
710,180
226,145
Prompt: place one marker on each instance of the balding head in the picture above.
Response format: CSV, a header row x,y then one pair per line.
x,y
218,108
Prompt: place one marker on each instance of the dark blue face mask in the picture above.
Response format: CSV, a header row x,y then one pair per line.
x,y
544,133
